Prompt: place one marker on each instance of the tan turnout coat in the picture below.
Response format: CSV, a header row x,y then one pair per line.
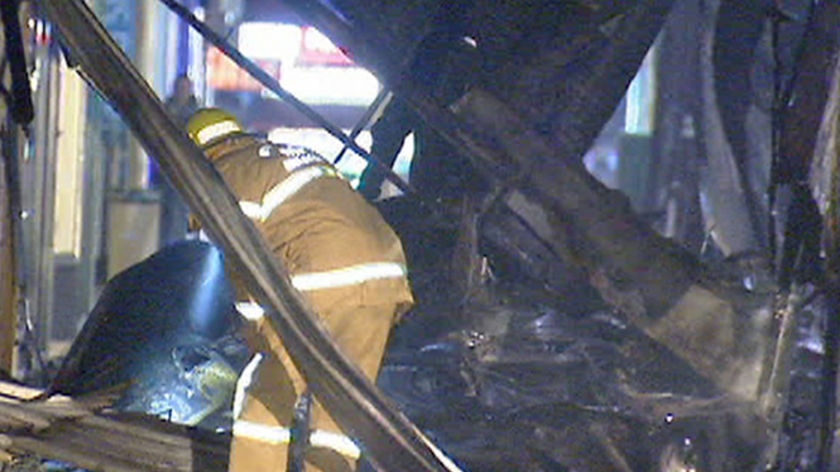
x,y
348,263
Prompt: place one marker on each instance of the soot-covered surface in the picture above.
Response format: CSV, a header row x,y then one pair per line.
x,y
514,376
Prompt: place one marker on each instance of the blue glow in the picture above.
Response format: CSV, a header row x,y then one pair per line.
x,y
204,309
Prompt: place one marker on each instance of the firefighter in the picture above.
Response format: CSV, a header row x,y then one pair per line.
x,y
339,252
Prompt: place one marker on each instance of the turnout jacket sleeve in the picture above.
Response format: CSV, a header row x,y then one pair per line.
x,y
338,249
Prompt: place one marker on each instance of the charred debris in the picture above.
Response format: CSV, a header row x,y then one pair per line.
x,y
684,321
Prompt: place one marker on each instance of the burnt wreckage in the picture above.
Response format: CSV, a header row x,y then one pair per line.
x,y
558,326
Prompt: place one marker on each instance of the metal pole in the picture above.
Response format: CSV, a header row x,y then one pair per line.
x,y
381,99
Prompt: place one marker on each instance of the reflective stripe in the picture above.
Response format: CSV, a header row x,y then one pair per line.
x,y
242,384
281,435
343,277
252,210
260,432
294,163
217,130
335,441
283,191
291,185
250,310
346,276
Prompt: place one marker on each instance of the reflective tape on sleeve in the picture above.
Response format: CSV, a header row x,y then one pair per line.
x,y
347,276
283,191
343,277
252,210
337,442
250,311
242,384
261,432
277,435
292,185
340,443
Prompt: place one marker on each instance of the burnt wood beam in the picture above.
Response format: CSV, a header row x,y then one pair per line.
x,y
659,286
597,224
652,265
79,432
800,108
570,99
818,174
804,145
806,164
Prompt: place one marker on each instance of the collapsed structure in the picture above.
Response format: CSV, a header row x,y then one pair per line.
x,y
735,325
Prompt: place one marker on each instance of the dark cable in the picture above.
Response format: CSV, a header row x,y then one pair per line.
x,y
21,106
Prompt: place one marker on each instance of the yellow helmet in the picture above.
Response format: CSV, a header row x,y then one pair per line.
x,y
209,125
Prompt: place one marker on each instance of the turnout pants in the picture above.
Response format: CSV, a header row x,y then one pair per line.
x,y
270,385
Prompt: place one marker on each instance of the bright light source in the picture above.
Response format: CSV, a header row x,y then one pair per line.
x,y
316,41
317,49
331,85
259,40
